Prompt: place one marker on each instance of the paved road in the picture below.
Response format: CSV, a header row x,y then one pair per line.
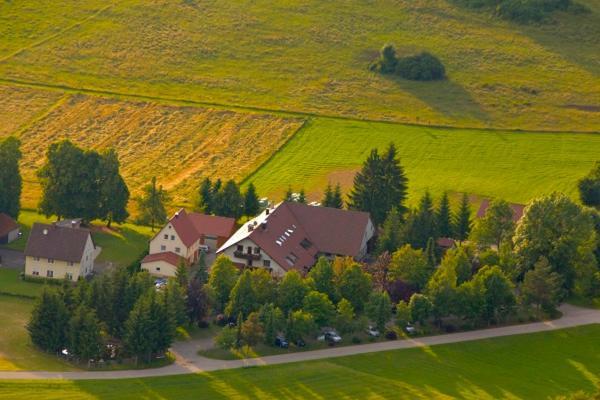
x,y
187,361
11,258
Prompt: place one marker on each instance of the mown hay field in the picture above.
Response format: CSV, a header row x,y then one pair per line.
x,y
312,56
523,367
516,166
178,145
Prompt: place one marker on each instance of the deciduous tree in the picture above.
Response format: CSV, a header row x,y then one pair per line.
x,y
223,277
152,205
319,306
379,309
10,177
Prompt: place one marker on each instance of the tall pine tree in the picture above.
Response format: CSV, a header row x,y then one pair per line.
x,y
152,205
391,235
462,219
204,203
379,185
251,202
10,177
443,217
337,201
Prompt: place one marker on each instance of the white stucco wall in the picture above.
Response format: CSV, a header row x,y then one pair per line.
x,y
172,243
160,268
276,269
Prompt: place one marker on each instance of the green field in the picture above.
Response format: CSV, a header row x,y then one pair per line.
x,y
516,166
16,350
11,284
312,56
527,367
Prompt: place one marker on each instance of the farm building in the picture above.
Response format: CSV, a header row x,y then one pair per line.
x,y
58,252
9,229
293,236
181,239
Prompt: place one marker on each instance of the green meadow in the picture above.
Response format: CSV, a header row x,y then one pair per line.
x,y
516,166
312,56
526,367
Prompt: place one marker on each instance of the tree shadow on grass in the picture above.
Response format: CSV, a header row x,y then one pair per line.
x,y
446,97
573,36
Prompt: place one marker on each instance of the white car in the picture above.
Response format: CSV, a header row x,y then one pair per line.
x,y
372,331
204,248
410,329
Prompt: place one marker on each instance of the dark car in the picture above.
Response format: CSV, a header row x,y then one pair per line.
x,y
300,343
281,342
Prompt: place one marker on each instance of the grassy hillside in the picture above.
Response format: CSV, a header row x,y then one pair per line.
x,y
312,56
528,367
513,165
177,144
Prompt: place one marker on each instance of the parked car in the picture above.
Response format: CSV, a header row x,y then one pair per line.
x,y
280,341
160,283
300,343
372,331
330,336
411,330
204,248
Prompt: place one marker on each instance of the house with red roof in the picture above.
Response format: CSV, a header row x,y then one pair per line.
x,y
9,229
182,238
293,236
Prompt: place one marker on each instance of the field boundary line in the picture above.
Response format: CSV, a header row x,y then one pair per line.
x,y
55,35
265,110
305,124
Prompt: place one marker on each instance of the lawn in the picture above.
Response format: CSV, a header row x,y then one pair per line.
x,y
516,166
526,367
121,245
12,284
313,56
16,350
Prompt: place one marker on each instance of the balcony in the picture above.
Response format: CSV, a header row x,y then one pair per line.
x,y
247,256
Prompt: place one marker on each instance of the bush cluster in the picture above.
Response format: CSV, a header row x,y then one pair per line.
x,y
419,67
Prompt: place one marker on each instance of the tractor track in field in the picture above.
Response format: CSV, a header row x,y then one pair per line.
x,y
256,109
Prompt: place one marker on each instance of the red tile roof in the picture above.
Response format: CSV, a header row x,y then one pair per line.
x,y
57,242
190,227
295,233
518,210
7,224
212,225
167,256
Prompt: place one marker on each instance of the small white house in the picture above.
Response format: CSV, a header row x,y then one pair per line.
x,y
59,252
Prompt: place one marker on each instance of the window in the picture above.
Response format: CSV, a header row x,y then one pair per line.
x,y
50,261
163,248
36,259
158,268
266,263
166,236
257,250
240,247
35,273
177,250
172,237
306,243
50,274
69,276
70,263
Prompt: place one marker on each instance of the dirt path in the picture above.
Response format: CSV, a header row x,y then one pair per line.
x,y
187,360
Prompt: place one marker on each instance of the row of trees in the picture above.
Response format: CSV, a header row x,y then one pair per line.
x,y
10,177
227,199
526,11
119,308
86,184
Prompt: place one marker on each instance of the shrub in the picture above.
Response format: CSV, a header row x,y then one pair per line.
x,y
421,67
356,340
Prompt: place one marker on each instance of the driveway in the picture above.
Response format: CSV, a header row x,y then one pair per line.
x,y
11,258
188,361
